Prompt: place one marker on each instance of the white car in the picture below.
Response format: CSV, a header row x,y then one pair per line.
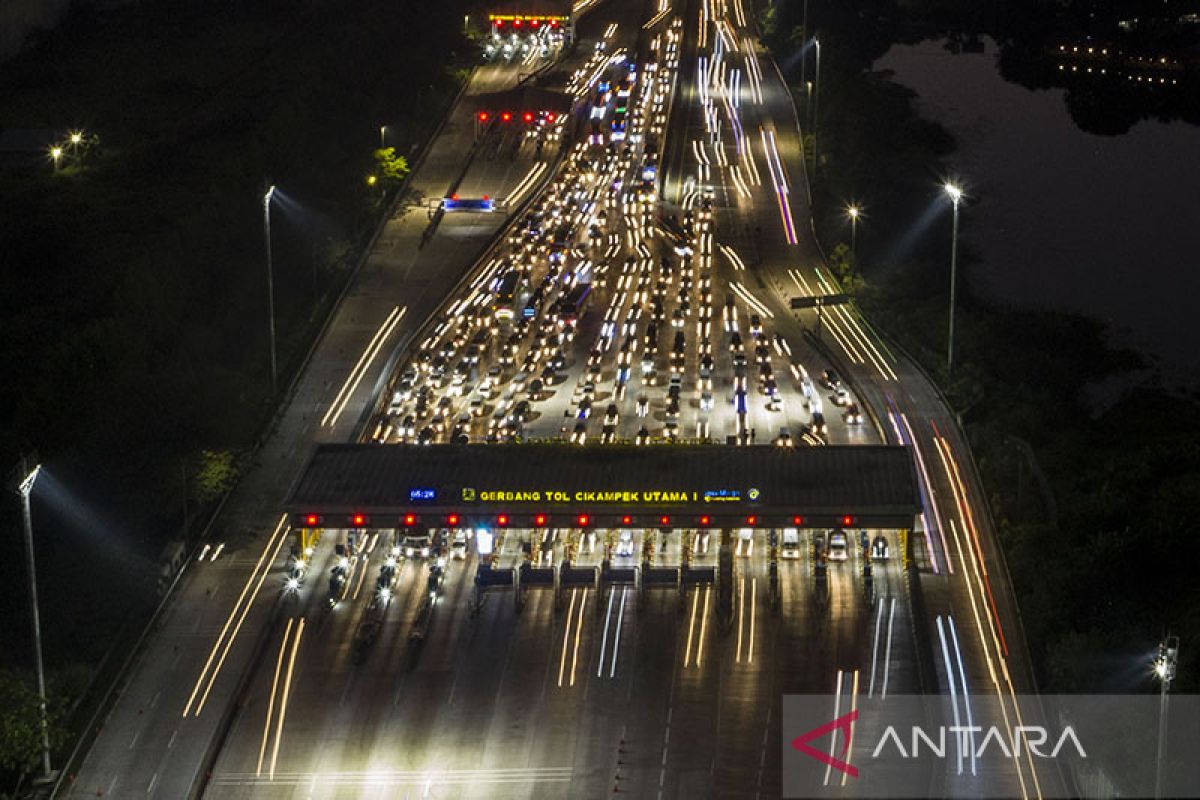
x,y
838,548
625,544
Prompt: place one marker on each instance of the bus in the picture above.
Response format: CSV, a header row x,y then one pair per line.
x,y
572,305
509,294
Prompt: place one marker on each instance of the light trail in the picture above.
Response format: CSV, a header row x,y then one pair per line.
x,y
562,662
753,608
271,542
364,363
751,300
283,701
578,634
733,257
687,653
704,627
527,183
262,750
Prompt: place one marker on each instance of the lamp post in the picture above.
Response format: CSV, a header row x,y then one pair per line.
x,y
853,212
816,104
56,154
270,281
955,194
1164,670
25,488
382,136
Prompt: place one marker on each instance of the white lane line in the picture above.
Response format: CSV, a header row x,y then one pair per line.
x,y
604,638
617,638
875,647
953,690
887,653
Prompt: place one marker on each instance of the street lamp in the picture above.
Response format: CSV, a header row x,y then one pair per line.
x,y
270,281
853,212
382,136
954,192
56,154
25,489
1164,670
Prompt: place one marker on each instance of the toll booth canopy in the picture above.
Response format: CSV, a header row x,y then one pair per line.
x,y
565,486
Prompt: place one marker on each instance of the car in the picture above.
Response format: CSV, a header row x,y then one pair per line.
x,y
879,548
643,436
608,434
853,415
426,436
784,439
756,328
585,409
818,423
706,401
643,406
625,544
839,549
458,548
611,414
579,435
841,397
830,379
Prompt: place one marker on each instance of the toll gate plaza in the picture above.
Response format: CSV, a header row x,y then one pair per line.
x,y
556,516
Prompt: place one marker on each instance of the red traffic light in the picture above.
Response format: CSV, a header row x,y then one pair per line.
x,y
704,521
358,520
516,23
550,116
452,520
797,521
527,116
502,520
483,116
626,520
583,520
410,520
505,116
535,22
539,521
664,520
847,521
312,520
751,520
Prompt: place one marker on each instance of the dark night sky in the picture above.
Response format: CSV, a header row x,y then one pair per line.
x,y
1108,226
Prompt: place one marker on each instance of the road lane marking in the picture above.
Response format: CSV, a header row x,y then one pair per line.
x,y
578,634
617,639
562,661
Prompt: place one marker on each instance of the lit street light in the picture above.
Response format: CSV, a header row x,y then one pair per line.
x,y
56,154
853,212
955,193
382,136
270,281
1164,670
25,489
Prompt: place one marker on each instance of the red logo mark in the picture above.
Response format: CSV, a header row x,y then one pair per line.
x,y
843,724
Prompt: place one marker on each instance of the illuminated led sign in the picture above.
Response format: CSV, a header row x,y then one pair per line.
x,y
606,496
422,495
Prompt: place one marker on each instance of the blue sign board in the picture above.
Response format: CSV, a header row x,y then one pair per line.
x,y
422,494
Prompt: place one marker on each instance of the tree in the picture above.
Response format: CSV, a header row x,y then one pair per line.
x,y
20,723
216,474
392,168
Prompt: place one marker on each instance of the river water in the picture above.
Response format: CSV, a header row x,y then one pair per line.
x,y
1107,226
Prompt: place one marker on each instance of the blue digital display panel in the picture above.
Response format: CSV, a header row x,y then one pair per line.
x,y
422,494
468,204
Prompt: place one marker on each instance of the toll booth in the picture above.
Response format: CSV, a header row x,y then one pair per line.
x,y
520,490
552,21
